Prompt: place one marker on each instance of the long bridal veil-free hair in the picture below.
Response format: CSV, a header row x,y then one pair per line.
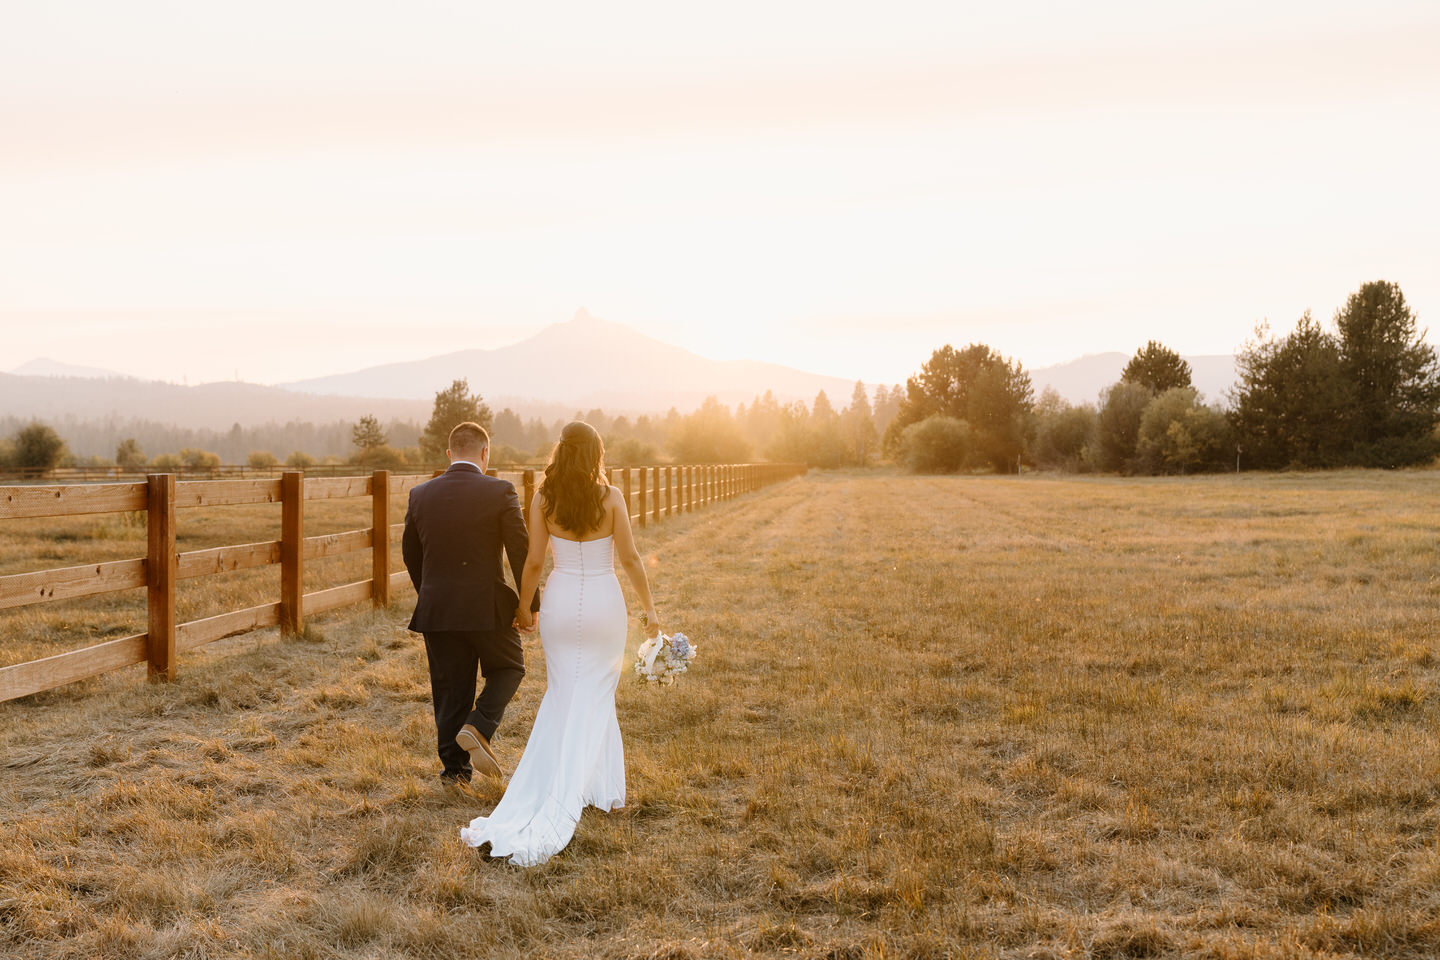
x,y
574,484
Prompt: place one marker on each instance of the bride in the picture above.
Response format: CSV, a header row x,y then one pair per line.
x,y
574,756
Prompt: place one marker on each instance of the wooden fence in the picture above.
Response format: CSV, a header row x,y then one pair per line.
x,y
652,493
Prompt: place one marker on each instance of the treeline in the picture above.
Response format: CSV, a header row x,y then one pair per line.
x,y
817,433
95,441
1365,393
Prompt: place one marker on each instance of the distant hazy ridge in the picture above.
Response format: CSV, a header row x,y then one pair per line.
x,y
578,365
1080,381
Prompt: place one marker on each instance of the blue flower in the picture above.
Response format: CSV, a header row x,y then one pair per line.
x,y
680,644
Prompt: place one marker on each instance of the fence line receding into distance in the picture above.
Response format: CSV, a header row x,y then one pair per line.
x,y
650,492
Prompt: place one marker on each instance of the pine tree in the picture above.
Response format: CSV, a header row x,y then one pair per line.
x,y
1157,367
453,406
367,434
859,423
1393,376
1290,406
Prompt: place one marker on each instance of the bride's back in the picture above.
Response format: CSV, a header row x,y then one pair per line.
x,y
585,558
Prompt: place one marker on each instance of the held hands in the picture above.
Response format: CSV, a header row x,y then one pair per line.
x,y
524,620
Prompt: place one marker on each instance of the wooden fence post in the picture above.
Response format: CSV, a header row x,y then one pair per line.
x,y
380,538
292,551
529,483
656,508
625,488
161,567
642,496
680,487
669,482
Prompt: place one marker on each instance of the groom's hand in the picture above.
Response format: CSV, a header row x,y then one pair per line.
x,y
524,620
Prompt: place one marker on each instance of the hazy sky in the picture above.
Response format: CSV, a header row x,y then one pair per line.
x,y
283,190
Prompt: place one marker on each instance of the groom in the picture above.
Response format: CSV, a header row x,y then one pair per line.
x,y
455,528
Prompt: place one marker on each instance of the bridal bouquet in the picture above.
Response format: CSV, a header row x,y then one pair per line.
x,y
662,658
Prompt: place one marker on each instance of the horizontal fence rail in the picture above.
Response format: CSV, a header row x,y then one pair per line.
x,y
651,493
224,471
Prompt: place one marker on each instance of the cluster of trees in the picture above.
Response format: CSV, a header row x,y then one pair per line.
x,y
965,408
1151,421
1366,393
975,409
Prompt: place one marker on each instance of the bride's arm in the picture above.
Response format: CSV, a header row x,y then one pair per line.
x,y
534,561
630,559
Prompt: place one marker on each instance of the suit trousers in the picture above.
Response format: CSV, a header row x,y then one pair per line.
x,y
454,656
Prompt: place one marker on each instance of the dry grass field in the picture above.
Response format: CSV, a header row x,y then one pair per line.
x,y
931,717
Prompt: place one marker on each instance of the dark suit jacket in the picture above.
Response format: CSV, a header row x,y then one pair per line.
x,y
455,528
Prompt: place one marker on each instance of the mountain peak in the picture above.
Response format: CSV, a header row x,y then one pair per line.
x,y
583,316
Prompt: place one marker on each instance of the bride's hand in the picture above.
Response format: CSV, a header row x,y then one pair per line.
x,y
651,622
525,620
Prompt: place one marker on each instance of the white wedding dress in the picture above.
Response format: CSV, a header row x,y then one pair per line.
x,y
574,756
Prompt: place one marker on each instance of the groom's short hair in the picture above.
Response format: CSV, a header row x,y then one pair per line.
x,y
469,436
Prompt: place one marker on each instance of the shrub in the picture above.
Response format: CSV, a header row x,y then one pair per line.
x,y
382,457
261,459
37,447
937,444
299,460
1178,434
129,455
1061,433
194,459
166,463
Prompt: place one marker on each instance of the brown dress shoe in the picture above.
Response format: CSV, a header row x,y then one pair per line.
x,y
482,758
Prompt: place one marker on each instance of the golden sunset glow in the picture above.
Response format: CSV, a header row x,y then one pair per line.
x,y
839,189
